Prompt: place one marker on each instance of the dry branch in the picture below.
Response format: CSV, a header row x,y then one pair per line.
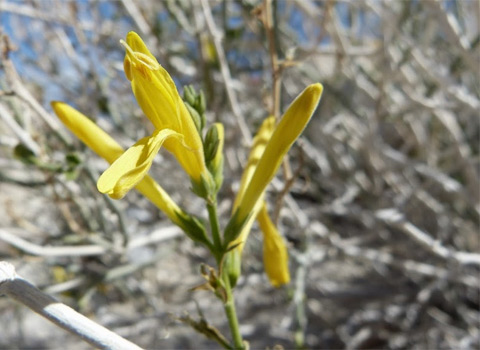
x,y
60,314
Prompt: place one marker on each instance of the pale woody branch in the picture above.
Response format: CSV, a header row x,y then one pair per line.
x,y
62,315
154,237
396,219
227,78
34,249
21,134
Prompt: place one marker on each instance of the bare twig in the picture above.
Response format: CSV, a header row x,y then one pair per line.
x,y
154,237
270,26
23,136
16,85
277,69
60,314
452,30
396,219
227,78
374,255
32,12
34,249
289,182
140,21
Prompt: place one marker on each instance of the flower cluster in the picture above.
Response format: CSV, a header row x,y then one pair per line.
x,y
179,130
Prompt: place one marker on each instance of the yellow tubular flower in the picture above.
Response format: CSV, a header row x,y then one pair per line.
x,y
275,254
259,142
233,258
88,132
107,148
158,97
132,166
287,131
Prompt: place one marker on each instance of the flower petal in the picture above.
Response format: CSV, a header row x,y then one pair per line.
x,y
287,131
137,45
133,165
106,147
275,254
260,140
158,97
88,132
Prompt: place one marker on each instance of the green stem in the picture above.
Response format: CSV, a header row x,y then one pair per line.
x,y
212,215
231,313
229,304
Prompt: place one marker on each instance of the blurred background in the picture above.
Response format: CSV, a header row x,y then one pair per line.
x,y
382,220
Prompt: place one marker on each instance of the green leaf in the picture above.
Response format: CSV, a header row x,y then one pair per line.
x,y
193,228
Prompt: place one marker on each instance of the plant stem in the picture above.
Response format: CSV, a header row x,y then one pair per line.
x,y
229,304
213,217
231,313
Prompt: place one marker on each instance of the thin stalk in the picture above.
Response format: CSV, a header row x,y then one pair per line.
x,y
270,28
231,313
215,228
229,304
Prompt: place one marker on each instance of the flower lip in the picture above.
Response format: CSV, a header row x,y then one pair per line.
x,y
140,58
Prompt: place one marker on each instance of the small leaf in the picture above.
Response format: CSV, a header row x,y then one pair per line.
x,y
24,153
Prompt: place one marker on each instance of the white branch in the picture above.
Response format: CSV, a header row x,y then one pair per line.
x,y
22,135
17,86
156,236
60,314
34,249
373,255
227,78
47,16
452,32
396,219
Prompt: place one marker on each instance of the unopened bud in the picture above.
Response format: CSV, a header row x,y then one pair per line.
x,y
233,266
189,95
201,103
197,120
211,144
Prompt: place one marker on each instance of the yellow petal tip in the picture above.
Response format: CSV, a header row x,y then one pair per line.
x,y
315,91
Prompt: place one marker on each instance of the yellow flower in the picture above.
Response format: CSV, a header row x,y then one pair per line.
x,y
260,174
259,142
158,97
269,147
258,147
106,147
233,258
275,254
88,132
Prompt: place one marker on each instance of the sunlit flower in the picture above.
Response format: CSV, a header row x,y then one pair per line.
x,y
275,254
88,132
106,147
233,258
270,145
258,147
260,174
158,97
